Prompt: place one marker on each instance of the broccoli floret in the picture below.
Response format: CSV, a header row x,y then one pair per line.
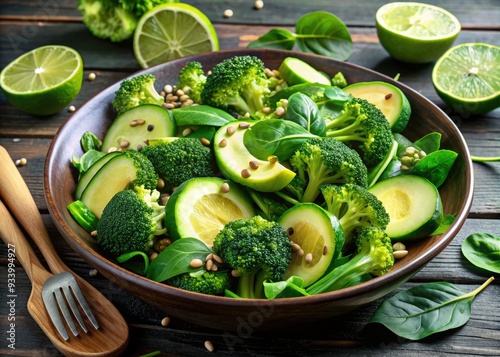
x,y
374,256
130,221
208,282
180,159
136,91
271,207
192,79
321,161
355,207
364,127
107,19
141,6
237,84
257,250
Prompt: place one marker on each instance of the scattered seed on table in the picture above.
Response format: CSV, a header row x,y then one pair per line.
x,y
92,272
228,13
92,76
21,162
165,321
259,4
209,346
16,140
71,108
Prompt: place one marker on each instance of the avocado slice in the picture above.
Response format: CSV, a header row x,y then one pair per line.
x,y
239,165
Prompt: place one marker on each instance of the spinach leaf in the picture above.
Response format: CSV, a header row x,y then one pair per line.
x,y
175,259
426,309
325,34
317,32
139,266
435,166
275,137
280,39
429,143
90,141
84,162
303,111
483,250
201,115
446,222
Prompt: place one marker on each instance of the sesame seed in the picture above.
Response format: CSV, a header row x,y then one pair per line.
x,y
196,263
91,76
228,13
225,187
245,173
388,96
209,346
309,258
71,108
165,321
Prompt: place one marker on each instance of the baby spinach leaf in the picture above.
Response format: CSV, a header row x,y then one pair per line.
x,y
303,111
446,222
325,34
139,266
175,259
426,309
279,39
90,141
275,137
435,166
483,250
317,32
429,143
201,115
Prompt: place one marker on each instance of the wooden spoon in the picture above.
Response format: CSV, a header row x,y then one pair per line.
x,y
112,336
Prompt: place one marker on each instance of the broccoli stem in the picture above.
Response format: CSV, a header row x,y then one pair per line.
x,y
343,275
252,286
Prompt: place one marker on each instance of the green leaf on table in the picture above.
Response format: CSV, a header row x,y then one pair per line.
x,y
275,137
175,259
483,250
426,309
325,34
201,115
278,39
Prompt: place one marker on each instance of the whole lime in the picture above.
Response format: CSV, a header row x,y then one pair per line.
x,y
44,80
415,32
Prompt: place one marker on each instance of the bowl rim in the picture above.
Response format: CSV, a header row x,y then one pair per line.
x,y
111,269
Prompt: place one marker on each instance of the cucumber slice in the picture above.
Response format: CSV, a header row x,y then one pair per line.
x,y
320,237
200,207
129,127
235,161
295,71
116,175
87,176
388,98
413,204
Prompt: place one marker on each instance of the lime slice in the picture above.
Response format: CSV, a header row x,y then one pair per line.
x,y
171,31
415,32
44,80
467,78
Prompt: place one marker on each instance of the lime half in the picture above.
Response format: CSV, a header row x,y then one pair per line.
x,y
415,32
467,78
172,31
44,80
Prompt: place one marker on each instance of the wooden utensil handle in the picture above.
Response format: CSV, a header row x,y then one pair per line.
x,y
17,245
17,197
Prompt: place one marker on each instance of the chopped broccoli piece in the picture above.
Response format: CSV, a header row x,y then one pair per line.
x,y
142,6
355,207
107,19
136,91
364,127
193,78
321,161
257,250
180,159
237,84
209,282
130,221
374,256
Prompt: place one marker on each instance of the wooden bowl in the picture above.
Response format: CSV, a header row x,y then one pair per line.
x,y
232,314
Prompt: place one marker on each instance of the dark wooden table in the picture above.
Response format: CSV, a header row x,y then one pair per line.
x,y
26,25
